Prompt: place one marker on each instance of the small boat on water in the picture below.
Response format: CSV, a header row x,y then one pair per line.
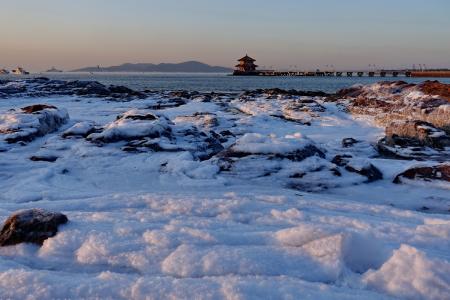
x,y
20,71
4,72
53,70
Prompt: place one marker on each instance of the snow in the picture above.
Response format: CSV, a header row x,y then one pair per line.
x,y
80,129
258,144
166,224
125,127
410,274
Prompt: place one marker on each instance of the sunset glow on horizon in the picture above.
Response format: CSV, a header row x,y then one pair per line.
x,y
307,34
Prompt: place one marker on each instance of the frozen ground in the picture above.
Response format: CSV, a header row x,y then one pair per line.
x,y
256,222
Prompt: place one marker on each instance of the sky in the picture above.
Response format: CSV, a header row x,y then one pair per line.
x,y
283,34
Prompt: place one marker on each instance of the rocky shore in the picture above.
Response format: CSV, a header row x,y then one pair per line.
x,y
194,188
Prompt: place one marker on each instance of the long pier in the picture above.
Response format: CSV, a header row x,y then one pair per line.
x,y
380,73
326,73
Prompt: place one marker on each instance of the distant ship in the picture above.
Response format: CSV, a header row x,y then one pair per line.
x,y
4,72
20,71
53,70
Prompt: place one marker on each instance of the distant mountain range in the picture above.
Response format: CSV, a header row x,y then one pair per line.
x,y
187,67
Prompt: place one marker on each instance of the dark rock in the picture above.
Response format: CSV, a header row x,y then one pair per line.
x,y
120,89
341,160
348,142
40,80
277,91
369,171
297,175
336,172
146,117
10,90
167,103
226,133
301,154
30,226
93,88
47,158
37,107
183,94
437,172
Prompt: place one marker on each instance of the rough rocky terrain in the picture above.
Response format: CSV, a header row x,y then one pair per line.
x,y
266,193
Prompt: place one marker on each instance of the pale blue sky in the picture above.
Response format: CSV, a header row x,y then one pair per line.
x,y
283,33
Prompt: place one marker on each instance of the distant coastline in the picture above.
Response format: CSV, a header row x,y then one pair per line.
x,y
184,67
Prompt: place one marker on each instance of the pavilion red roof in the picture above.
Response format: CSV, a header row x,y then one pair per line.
x,y
246,58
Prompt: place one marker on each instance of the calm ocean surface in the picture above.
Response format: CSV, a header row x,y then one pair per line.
x,y
220,82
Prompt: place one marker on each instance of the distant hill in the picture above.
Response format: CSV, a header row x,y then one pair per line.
x,y
188,67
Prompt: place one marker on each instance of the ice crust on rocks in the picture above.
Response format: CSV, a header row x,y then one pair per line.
x,y
28,123
132,125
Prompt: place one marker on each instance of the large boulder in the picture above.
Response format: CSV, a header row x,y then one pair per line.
x,y
416,132
415,140
31,226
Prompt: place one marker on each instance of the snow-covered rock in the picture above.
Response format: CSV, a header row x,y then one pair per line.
x,y
30,122
133,124
293,147
80,129
398,100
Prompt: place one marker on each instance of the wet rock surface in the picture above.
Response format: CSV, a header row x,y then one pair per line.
x,y
31,226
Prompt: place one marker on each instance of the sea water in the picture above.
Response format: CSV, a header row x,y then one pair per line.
x,y
221,82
